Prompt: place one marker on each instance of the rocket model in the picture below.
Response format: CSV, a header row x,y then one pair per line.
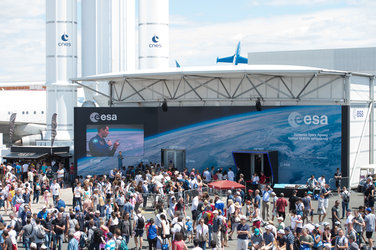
x,y
108,40
61,65
153,34
108,45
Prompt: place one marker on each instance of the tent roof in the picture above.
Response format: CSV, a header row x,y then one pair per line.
x,y
213,71
224,185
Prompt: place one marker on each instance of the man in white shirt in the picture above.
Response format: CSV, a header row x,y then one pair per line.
x,y
25,168
202,233
55,189
230,175
195,202
321,181
77,195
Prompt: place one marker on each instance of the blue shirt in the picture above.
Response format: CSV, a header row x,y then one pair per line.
x,y
42,215
73,244
18,169
60,204
220,205
110,245
246,227
266,196
152,232
189,226
258,199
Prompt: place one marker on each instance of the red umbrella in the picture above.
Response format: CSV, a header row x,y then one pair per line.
x,y
224,185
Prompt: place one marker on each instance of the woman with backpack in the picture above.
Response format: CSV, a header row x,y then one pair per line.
x,y
152,234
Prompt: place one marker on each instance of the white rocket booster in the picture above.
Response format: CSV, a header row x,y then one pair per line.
x,y
108,40
61,65
153,34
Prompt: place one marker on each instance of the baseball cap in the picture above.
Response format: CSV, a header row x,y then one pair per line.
x,y
287,229
280,218
348,210
215,212
309,192
337,223
257,231
268,227
368,209
44,207
187,218
110,235
281,231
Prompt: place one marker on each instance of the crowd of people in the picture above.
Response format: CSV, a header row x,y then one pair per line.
x,y
108,212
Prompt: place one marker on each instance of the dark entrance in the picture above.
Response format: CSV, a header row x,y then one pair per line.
x,y
250,162
173,157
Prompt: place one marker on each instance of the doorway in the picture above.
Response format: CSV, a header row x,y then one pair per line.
x,y
250,162
174,158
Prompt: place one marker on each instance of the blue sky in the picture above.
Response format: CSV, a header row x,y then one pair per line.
x,y
202,30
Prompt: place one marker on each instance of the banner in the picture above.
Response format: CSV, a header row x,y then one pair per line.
x,y
53,128
12,121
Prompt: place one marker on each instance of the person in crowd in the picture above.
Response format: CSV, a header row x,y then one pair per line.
x,y
243,231
338,179
369,220
345,195
312,183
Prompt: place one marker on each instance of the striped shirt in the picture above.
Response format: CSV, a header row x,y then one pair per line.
x,y
110,245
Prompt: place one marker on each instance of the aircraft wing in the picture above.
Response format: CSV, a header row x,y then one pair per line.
x,y
229,59
242,59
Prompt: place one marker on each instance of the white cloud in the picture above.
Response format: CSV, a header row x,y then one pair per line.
x,y
22,40
337,28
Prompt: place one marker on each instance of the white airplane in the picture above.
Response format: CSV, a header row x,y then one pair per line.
x,y
28,101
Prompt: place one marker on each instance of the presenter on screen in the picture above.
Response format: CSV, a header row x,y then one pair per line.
x,y
98,146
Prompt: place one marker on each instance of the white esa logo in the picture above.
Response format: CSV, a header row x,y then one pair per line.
x,y
95,117
296,119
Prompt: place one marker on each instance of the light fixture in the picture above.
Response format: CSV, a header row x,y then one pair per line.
x,y
164,105
258,104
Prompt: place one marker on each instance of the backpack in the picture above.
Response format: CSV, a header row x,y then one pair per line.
x,y
18,226
83,240
346,197
123,245
184,231
41,234
140,223
98,234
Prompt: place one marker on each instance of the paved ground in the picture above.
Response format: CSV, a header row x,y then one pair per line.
x,y
356,201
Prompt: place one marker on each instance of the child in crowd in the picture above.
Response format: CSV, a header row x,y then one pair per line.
x,y
248,208
321,208
189,226
46,196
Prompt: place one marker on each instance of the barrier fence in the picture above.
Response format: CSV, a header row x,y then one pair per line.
x,y
151,200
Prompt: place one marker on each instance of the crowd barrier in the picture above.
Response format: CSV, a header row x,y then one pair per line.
x,y
343,183
152,199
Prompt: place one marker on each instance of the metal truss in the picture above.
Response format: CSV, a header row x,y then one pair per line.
x,y
245,87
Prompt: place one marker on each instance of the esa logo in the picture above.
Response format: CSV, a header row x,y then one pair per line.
x,y
95,117
155,44
64,41
296,119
